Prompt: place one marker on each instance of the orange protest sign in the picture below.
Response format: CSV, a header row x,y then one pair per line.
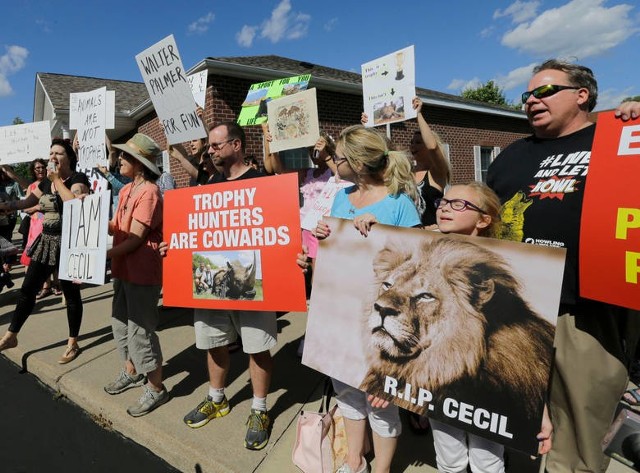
x,y
610,228
233,245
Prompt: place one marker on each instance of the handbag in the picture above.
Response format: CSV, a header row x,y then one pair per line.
x,y
35,230
321,443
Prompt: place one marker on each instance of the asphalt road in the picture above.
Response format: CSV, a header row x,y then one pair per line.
x,y
40,432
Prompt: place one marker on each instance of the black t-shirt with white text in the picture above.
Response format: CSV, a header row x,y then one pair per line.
x,y
541,186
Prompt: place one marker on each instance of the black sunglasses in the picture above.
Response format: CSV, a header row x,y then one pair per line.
x,y
545,91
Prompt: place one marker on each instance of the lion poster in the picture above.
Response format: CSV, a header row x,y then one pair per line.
x,y
457,328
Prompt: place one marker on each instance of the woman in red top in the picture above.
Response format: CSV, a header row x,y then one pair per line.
x,y
136,267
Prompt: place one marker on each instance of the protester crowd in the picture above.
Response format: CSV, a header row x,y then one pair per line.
x,y
386,185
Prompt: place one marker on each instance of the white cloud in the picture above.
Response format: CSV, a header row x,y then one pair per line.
x,y
245,36
5,87
516,77
463,84
580,29
611,98
518,11
331,24
44,25
201,25
485,33
11,62
283,24
275,27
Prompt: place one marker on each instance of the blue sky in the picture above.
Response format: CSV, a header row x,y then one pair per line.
x,y
457,43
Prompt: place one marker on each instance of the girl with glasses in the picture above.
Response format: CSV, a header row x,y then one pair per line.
x,y
472,209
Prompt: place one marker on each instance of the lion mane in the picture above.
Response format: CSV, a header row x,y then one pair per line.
x,y
448,316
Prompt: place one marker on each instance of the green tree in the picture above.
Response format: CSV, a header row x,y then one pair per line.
x,y
488,93
635,98
17,121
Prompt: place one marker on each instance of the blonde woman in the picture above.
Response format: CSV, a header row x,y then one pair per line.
x,y
384,192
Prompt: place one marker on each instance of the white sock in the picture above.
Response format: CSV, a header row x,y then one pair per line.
x,y
216,394
259,403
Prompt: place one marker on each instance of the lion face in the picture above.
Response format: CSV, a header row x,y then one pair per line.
x,y
408,303
417,309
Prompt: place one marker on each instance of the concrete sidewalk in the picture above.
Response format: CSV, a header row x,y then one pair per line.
x,y
216,447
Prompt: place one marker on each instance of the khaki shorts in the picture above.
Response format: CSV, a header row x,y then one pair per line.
x,y
217,328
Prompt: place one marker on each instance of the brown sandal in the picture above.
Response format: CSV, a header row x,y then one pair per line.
x,y
70,354
44,292
7,343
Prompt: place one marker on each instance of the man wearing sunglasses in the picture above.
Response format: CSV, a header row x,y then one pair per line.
x,y
540,181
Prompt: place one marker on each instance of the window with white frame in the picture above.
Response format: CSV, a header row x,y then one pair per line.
x,y
483,156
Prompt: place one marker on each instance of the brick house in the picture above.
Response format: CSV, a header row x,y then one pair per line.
x,y
473,132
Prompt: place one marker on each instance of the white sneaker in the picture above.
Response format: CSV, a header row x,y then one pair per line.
x,y
347,469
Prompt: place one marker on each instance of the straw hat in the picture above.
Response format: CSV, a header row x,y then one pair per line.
x,y
144,149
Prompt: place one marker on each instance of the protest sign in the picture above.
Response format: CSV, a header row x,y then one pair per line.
x,y
110,111
248,234
90,117
322,205
97,182
198,84
254,107
388,87
24,143
457,328
163,74
83,250
610,226
293,121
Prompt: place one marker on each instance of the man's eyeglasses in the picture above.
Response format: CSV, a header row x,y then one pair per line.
x,y
459,205
545,91
219,146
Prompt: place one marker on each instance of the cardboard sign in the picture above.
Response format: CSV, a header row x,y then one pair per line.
x,y
457,328
388,87
110,111
83,250
198,84
233,245
610,226
90,117
293,121
254,107
24,143
322,204
97,182
166,81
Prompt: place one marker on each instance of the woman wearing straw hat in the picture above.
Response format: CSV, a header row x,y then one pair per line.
x,y
136,267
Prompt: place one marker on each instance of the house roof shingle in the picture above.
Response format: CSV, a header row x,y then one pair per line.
x,y
295,67
58,87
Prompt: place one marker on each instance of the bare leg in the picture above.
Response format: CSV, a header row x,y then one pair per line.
x,y
384,448
356,431
155,378
218,365
260,369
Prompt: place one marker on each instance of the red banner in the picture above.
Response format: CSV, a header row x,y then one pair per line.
x,y
233,245
610,232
